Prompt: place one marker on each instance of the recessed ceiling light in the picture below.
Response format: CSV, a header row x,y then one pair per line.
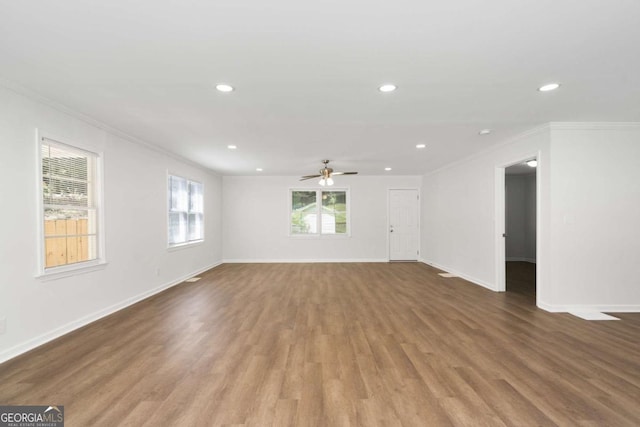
x,y
387,169
232,147
549,87
259,169
222,87
532,163
421,145
387,87
484,132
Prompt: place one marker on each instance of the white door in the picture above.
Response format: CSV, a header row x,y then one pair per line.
x,y
404,229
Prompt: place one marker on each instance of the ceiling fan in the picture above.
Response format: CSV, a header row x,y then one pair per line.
x,y
325,174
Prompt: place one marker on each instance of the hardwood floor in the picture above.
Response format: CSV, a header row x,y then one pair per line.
x,y
336,345
521,279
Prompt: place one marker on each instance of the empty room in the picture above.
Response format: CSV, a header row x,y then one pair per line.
x,y
245,213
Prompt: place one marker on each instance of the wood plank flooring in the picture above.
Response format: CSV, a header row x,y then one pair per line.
x,y
336,345
521,278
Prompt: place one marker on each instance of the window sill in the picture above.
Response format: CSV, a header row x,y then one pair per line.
x,y
56,273
182,246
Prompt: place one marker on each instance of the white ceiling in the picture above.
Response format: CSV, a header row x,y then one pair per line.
x,y
306,74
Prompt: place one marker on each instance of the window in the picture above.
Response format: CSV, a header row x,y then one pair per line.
x,y
319,212
70,203
186,211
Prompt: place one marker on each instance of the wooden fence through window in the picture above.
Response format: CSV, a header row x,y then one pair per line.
x,y
66,241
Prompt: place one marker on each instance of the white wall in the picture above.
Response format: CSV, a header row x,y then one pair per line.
x,y
459,223
589,205
255,218
135,223
596,216
520,212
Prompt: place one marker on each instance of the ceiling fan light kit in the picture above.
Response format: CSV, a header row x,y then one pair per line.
x,y
325,175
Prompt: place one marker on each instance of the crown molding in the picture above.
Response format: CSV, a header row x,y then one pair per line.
x,y
547,127
37,97
593,125
531,132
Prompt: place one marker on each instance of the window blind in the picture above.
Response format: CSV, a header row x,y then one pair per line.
x,y
69,203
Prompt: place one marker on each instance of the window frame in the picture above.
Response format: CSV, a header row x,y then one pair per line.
x,y
188,243
318,191
51,273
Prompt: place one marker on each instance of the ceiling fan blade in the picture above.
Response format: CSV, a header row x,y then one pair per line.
x,y
309,177
344,173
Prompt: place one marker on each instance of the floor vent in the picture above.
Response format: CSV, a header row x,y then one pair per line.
x,y
193,279
447,275
592,315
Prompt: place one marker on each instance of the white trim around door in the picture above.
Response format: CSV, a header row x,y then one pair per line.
x,y
406,241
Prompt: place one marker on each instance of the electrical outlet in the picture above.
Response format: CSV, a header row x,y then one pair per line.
x,y
3,325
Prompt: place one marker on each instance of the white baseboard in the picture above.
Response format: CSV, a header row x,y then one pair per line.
x,y
602,308
289,260
460,274
32,343
522,259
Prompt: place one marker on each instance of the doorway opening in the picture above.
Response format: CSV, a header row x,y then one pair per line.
x,y
520,225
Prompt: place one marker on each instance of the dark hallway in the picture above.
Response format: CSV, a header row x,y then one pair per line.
x,y
521,279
